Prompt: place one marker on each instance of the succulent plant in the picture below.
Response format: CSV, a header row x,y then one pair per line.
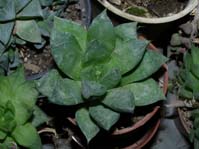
x,y
18,113
189,89
108,72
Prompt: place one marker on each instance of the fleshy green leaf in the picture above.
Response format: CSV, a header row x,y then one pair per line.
x,y
7,10
6,31
183,92
67,26
127,31
27,136
2,48
7,116
39,117
188,61
103,116
46,25
111,78
120,99
146,92
46,2
67,53
4,61
93,72
58,90
47,84
196,142
102,30
2,135
29,31
20,4
20,92
192,82
151,62
67,92
195,55
195,70
32,10
95,53
8,143
86,124
127,54
92,88
191,61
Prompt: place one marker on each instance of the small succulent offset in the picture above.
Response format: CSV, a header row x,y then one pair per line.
x,y
25,21
108,71
18,113
189,89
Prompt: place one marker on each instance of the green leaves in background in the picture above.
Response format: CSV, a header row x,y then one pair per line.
x,y
27,136
39,117
28,31
18,98
21,93
20,4
5,32
32,10
46,2
7,10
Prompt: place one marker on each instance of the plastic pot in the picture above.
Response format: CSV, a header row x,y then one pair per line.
x,y
190,6
149,123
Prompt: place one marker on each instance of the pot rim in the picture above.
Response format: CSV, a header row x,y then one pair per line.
x,y
183,125
146,138
191,5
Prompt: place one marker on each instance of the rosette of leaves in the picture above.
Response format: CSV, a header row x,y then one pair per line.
x,y
26,22
18,113
189,89
108,71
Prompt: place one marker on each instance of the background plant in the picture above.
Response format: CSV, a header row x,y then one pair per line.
x,y
188,89
18,113
109,72
26,22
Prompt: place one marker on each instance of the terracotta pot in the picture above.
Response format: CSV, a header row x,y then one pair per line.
x,y
190,6
145,120
182,124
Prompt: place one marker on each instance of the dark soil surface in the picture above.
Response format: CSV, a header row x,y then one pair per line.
x,y
151,8
37,62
